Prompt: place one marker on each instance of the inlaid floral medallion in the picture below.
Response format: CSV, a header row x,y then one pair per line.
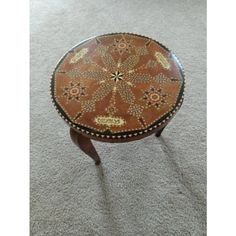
x,y
116,85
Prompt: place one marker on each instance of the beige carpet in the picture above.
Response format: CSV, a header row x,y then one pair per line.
x,y
148,187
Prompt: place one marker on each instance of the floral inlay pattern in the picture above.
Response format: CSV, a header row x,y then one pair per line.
x,y
116,76
73,91
122,45
120,83
155,97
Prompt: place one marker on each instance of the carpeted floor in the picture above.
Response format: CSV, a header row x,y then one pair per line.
x,y
155,186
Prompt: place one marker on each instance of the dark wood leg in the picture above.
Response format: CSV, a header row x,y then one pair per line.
x,y
85,145
158,133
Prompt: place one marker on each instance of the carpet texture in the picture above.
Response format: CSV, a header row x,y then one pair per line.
x,y
154,186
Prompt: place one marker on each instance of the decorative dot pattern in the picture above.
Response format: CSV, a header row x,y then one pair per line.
x,y
118,86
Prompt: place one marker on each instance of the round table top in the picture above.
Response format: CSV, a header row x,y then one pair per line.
x,y
117,86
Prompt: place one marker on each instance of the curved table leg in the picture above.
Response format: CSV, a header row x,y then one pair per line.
x,y
158,133
85,145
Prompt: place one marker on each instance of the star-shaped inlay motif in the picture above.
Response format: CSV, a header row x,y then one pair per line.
x,y
122,45
117,76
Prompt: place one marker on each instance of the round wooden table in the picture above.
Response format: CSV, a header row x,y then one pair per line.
x,y
117,87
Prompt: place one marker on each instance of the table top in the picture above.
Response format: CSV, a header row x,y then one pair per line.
x,y
117,86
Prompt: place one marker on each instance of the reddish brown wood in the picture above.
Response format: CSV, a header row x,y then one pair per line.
x,y
117,88
85,145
